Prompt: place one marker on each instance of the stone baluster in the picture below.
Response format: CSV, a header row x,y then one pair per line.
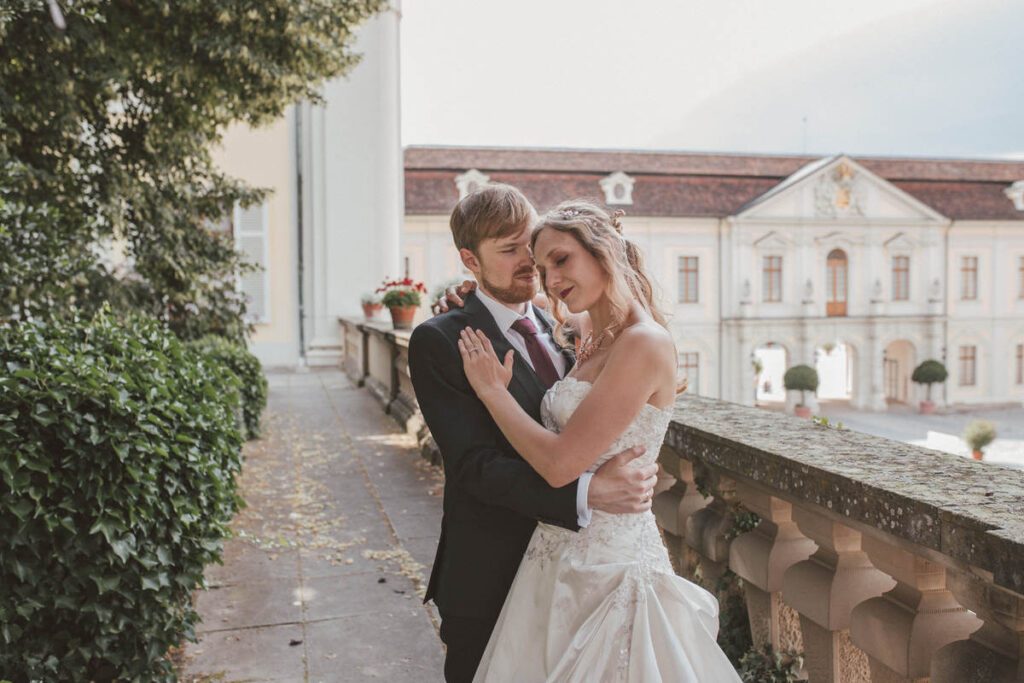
x,y
761,557
707,529
903,629
824,589
995,652
676,499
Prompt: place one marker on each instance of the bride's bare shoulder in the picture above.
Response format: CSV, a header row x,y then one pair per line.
x,y
646,336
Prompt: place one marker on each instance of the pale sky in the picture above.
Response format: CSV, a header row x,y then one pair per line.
x,y
730,75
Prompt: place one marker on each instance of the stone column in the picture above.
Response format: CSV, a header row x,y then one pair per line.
x,y
903,629
873,356
824,590
761,557
352,182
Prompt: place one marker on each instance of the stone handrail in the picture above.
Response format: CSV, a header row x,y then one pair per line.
x,y
879,560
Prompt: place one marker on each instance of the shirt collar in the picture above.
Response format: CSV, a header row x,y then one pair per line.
x,y
504,316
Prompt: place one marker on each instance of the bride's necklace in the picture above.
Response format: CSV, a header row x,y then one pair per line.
x,y
589,346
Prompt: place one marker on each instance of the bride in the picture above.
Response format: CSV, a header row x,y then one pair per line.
x,y
601,604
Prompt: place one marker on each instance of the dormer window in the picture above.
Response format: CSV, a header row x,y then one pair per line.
x,y
618,189
470,181
1016,194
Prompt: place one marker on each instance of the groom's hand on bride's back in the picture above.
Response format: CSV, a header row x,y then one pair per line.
x,y
453,297
620,486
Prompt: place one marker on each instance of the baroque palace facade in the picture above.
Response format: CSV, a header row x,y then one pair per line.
x,y
863,267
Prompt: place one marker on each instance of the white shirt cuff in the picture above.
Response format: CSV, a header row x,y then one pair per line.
x,y
582,494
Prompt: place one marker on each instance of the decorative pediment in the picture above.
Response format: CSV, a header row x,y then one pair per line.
x,y
900,240
773,240
470,181
618,189
840,238
838,189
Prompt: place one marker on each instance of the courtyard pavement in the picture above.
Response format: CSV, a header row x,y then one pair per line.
x,y
939,431
324,576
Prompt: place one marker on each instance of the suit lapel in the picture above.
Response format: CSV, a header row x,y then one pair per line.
x,y
525,385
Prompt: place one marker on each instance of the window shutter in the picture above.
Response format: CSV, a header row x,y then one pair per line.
x,y
251,238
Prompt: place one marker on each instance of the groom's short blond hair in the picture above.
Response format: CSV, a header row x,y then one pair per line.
x,y
489,212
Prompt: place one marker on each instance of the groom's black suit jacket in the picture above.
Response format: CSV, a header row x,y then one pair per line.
x,y
492,497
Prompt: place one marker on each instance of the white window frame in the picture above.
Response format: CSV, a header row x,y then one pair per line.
x,y
679,273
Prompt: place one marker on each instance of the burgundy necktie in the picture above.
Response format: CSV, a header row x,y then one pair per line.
x,y
542,364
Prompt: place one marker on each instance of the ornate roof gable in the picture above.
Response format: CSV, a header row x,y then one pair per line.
x,y
838,189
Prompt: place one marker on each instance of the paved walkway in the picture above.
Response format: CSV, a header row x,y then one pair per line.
x,y
323,579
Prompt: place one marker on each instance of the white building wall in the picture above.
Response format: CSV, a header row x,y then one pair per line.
x,y
994,323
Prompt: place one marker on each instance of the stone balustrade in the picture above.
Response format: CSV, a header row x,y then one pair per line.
x,y
880,561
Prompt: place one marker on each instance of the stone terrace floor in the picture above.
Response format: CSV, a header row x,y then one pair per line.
x,y
322,581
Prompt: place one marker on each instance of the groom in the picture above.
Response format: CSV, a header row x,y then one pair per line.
x,y
492,497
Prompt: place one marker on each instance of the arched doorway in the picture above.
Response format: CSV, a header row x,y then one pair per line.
x,y
898,365
834,363
836,283
772,360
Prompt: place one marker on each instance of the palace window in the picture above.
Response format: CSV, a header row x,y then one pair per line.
x,y
689,364
1020,278
900,278
618,189
968,365
836,283
689,276
771,289
969,278
1020,363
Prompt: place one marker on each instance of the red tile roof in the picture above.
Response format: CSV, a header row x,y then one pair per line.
x,y
695,184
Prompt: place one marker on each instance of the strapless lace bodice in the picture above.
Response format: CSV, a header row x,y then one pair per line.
x,y
647,429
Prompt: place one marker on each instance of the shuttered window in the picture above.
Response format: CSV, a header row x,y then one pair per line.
x,y
252,240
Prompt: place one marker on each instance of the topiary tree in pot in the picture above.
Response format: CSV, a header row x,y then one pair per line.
x,y
979,434
928,373
802,378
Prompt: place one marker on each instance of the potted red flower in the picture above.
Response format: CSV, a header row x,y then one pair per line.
x,y
402,297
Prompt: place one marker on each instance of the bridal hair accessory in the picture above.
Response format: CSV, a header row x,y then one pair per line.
x,y
616,215
570,213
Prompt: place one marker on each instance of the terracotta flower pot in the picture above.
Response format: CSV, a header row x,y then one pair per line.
x,y
370,311
977,455
802,411
927,407
401,316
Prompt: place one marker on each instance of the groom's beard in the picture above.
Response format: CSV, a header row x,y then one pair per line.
x,y
516,293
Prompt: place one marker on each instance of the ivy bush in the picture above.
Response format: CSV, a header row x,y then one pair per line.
x,y
247,368
119,447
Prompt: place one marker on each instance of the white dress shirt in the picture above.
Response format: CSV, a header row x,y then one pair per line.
x,y
505,317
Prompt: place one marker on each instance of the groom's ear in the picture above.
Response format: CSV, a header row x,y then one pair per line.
x,y
471,261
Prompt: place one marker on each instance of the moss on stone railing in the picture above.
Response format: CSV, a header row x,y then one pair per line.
x,y
878,560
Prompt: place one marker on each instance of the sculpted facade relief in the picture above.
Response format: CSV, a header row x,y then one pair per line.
x,y
839,193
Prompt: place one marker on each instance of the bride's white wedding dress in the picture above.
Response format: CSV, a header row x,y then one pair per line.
x,y
603,604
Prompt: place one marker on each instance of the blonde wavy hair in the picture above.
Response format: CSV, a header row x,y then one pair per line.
x,y
600,233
